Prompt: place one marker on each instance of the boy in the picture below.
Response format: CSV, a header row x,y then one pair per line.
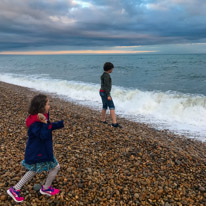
x,y
106,85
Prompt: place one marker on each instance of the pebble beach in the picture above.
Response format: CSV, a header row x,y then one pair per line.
x,y
101,165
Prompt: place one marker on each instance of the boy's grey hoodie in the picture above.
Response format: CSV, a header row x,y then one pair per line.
x,y
106,83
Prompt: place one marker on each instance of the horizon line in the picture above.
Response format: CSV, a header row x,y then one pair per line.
x,y
72,52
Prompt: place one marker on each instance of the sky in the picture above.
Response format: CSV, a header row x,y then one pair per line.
x,y
102,26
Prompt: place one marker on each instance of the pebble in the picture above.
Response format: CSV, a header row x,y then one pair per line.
x,y
3,197
202,189
37,187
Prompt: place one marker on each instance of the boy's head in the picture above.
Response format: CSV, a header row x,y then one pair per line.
x,y
108,66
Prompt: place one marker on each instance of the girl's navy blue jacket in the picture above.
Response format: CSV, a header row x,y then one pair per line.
x,y
39,147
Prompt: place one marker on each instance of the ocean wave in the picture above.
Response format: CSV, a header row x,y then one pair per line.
x,y
167,110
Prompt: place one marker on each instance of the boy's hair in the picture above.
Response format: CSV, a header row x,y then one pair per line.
x,y
38,104
108,66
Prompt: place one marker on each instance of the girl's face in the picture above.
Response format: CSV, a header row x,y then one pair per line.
x,y
47,106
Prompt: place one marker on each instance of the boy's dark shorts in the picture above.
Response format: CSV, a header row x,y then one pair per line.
x,y
106,103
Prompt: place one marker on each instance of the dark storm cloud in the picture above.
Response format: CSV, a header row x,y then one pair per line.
x,y
41,23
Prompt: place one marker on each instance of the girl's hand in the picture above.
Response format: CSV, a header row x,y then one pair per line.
x,y
42,118
109,98
44,121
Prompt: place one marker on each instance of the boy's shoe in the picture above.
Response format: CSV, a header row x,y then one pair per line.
x,y
116,125
15,194
50,191
105,122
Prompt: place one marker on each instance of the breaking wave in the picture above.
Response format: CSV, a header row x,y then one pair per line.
x,y
178,112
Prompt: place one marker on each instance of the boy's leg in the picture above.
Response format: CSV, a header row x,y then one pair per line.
x,y
104,105
112,111
104,115
27,177
113,116
51,176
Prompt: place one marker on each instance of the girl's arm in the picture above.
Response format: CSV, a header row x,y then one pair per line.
x,y
45,131
57,125
40,130
48,127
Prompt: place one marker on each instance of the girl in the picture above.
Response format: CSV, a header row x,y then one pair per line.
x,y
39,149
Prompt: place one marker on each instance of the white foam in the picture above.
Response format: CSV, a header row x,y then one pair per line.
x,y
181,113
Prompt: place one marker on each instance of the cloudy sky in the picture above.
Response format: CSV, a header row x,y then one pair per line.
x,y
162,26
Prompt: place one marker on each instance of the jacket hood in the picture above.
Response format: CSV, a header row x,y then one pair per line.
x,y
32,119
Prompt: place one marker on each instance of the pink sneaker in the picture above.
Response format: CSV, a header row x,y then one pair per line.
x,y
50,191
15,194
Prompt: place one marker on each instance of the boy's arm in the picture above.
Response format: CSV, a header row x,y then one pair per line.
x,y
107,85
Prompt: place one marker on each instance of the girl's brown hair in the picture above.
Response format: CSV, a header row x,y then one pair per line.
x,y
38,104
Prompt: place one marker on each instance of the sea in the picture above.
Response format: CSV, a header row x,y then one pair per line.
x,y
167,92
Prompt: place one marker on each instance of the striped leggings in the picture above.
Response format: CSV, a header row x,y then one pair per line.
x,y
30,174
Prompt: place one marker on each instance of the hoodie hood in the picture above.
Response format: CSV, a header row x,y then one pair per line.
x,y
32,119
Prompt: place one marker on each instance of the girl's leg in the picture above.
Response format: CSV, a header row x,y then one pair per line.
x,y
14,192
27,177
51,176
